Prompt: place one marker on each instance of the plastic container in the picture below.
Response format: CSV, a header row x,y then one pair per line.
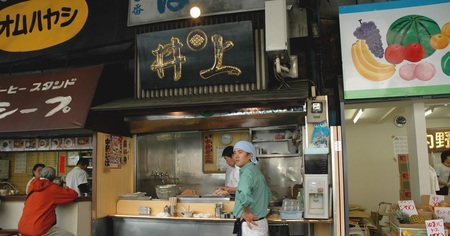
x,y
143,210
290,205
166,191
291,215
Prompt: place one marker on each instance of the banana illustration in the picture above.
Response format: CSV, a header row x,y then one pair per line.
x,y
367,65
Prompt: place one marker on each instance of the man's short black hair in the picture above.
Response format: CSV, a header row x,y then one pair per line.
x,y
228,152
444,155
83,161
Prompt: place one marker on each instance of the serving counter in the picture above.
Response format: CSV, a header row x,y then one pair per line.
x,y
74,217
127,221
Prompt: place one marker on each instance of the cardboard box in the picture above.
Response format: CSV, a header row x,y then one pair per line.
x,y
395,230
413,229
426,199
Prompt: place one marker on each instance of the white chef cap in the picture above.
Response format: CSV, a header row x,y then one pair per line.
x,y
248,147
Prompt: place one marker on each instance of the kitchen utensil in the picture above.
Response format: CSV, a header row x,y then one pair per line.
x,y
187,213
173,203
218,211
143,210
166,191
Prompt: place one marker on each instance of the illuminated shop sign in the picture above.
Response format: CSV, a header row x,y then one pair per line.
x,y
438,140
47,101
198,56
35,25
144,12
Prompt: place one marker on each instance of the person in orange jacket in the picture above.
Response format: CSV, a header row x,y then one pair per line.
x,y
38,216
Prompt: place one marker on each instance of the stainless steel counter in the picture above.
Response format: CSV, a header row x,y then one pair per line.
x,y
126,225
146,225
23,197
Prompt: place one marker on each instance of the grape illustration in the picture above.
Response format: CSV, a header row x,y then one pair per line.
x,y
369,32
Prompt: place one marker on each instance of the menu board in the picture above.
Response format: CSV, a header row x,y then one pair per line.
x,y
42,144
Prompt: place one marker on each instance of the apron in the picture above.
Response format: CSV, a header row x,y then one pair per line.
x,y
241,228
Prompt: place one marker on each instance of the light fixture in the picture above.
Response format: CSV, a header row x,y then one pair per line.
x,y
195,12
358,115
429,111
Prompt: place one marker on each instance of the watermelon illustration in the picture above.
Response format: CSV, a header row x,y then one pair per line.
x,y
413,28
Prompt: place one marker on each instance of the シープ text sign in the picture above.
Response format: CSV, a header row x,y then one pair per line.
x,y
47,101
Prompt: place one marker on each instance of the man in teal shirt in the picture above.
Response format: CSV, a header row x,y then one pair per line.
x,y
252,194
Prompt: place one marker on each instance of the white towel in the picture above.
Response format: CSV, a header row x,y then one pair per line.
x,y
434,184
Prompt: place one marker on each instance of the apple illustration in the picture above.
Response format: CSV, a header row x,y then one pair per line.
x,y
395,53
425,71
414,52
406,72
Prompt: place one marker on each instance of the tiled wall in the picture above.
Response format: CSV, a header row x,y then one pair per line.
x,y
20,180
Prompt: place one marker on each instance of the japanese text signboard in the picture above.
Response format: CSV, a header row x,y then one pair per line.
x,y
150,11
438,140
33,25
435,227
198,56
43,27
47,101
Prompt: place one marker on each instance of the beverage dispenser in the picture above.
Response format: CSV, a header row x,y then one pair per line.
x,y
317,193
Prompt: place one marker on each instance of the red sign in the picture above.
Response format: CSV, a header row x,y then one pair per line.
x,y
47,101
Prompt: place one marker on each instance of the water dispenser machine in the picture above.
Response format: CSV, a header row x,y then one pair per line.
x,y
317,193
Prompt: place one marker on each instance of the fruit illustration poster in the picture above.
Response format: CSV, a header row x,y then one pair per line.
x,y
395,49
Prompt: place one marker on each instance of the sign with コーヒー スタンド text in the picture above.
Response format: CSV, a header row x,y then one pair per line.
x,y
47,101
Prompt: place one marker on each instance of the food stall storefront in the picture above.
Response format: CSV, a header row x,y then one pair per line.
x,y
200,83
46,119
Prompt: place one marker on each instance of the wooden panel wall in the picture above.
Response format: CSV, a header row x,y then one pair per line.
x,y
110,183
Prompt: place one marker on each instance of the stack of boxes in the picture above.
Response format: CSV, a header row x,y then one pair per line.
x,y
403,169
423,209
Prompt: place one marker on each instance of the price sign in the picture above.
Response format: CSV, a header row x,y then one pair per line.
x,y
443,213
408,207
435,199
435,227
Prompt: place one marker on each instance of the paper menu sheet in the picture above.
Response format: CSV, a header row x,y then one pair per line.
x,y
400,145
21,163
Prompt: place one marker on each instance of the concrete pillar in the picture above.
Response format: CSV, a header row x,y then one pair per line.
x,y
418,151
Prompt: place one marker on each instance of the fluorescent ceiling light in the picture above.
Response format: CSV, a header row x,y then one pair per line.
x,y
429,111
358,115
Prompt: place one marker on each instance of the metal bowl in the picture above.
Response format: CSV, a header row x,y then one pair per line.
x,y
166,191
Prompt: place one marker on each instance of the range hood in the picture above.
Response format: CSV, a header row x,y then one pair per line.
x,y
212,112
